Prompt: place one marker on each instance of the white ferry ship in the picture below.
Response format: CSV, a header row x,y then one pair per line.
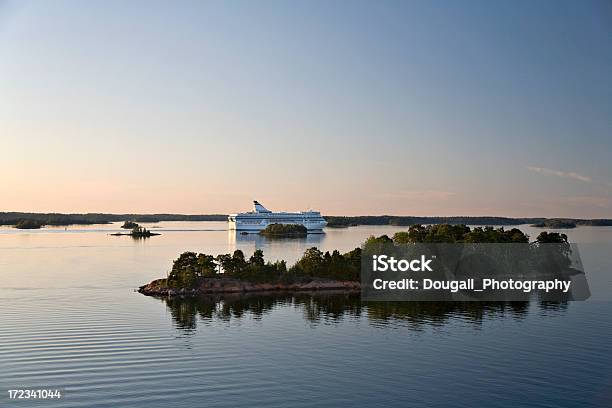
x,y
260,218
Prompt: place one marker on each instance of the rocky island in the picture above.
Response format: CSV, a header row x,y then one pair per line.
x,y
194,274
207,286
137,232
199,274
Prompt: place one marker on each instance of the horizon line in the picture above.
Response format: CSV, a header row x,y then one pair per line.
x,y
325,215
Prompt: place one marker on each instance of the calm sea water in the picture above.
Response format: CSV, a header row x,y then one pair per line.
x,y
69,319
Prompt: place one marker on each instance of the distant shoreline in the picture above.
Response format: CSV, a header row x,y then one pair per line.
x,y
58,219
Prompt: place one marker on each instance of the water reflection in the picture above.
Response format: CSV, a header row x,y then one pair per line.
x,y
334,307
252,242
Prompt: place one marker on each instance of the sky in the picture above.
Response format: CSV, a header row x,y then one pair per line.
x,y
347,107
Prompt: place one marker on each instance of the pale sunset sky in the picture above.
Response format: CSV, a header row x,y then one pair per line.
x,y
347,107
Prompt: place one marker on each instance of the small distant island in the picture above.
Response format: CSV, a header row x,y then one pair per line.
x,y
28,224
555,224
197,274
284,231
137,232
129,225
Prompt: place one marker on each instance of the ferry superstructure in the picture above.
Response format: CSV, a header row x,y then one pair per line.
x,y
260,218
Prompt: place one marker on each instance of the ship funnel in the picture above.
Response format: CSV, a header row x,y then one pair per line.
x,y
259,208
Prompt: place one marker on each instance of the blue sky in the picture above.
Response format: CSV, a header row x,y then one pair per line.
x,y
397,107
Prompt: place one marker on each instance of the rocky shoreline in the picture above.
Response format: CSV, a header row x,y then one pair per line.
x,y
209,286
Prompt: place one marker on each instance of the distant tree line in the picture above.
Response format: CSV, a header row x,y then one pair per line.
x,y
341,221
13,218
556,224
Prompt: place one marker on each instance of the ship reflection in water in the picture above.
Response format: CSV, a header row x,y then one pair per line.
x,y
336,307
289,249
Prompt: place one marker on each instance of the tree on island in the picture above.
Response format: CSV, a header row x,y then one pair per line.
x,y
553,251
285,230
551,238
189,267
141,232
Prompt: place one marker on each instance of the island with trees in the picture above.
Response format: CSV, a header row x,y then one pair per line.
x,y
28,224
137,232
284,231
129,225
194,274
555,223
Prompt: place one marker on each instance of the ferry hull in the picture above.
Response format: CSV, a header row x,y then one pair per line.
x,y
255,227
